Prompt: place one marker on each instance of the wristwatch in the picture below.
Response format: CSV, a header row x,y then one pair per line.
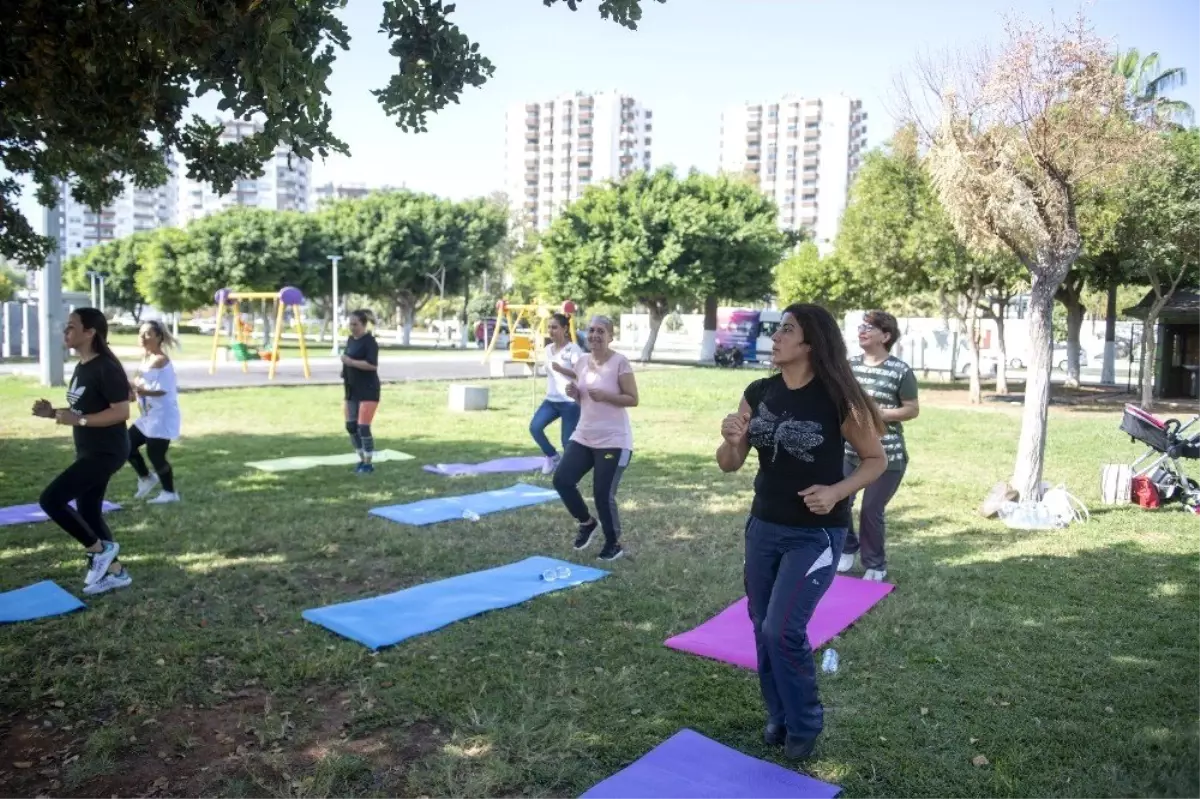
x,y
83,421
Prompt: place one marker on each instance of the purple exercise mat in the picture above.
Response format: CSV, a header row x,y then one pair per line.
x,y
689,765
496,466
32,514
729,636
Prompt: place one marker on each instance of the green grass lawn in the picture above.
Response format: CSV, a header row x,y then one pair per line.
x,y
1068,659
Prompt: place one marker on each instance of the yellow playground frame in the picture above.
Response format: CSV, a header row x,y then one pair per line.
x,y
286,297
523,347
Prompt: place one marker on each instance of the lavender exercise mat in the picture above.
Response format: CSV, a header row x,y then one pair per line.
x,y
32,514
689,765
497,466
728,636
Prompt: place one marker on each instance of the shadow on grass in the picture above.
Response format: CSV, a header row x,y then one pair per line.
x,y
1054,667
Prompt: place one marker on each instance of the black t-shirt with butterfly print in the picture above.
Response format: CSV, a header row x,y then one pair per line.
x,y
798,436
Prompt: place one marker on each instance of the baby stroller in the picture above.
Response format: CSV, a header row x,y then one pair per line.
x,y
1157,471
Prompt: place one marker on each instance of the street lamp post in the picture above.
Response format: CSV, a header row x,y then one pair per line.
x,y
336,307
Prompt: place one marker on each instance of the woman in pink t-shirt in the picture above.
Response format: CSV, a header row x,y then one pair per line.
x,y
603,384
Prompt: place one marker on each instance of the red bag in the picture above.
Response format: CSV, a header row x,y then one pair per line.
x,y
1145,493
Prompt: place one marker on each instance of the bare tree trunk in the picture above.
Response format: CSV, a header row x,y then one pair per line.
x,y
1108,371
1031,447
1149,353
971,313
658,312
408,316
708,345
1002,347
1075,311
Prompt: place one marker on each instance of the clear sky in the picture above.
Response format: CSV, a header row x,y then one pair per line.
x,y
688,60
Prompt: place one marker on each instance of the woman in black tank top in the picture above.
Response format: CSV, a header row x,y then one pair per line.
x,y
799,421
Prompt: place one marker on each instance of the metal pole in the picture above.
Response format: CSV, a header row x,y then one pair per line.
x,y
335,311
101,293
50,343
92,287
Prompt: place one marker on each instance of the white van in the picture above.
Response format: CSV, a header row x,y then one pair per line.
x,y
768,323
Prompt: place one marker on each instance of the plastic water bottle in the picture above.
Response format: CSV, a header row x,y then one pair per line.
x,y
558,573
829,663
470,515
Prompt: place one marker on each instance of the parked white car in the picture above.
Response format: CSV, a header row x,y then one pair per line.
x,y
1058,357
988,365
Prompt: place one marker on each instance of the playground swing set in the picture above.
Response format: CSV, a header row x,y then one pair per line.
x,y
229,304
528,346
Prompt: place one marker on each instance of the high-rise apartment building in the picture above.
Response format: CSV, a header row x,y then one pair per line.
x,y
344,191
284,185
557,148
76,227
803,152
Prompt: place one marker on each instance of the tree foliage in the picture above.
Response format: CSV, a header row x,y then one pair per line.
x,y
98,91
119,262
401,245
658,241
1018,134
1164,231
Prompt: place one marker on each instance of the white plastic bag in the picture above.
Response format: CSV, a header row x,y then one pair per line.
x,y
1055,510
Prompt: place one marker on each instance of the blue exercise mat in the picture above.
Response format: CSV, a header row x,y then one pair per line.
x,y
36,601
443,509
389,619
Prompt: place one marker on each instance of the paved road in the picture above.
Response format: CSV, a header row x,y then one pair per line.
x,y
325,370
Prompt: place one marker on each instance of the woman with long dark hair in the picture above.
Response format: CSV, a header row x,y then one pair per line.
x,y
561,355
97,410
156,391
798,420
360,379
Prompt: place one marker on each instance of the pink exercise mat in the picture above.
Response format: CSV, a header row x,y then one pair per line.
x,y
728,636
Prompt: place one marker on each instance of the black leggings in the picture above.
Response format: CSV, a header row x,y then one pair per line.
x,y
156,448
609,465
85,482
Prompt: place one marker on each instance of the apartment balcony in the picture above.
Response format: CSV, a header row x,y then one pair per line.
x,y
648,115
585,128
647,127
810,162
585,174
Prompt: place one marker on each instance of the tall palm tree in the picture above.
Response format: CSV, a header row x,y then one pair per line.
x,y
1147,84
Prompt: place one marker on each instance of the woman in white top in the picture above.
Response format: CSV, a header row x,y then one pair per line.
x,y
157,394
563,353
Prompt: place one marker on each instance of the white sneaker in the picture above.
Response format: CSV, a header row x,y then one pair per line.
x,y
145,485
550,464
108,582
845,563
98,562
876,575
164,498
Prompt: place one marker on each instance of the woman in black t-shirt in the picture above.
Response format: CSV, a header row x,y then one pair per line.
x,y
360,378
798,420
97,410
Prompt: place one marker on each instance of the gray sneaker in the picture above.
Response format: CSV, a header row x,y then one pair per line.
x,y
109,582
98,562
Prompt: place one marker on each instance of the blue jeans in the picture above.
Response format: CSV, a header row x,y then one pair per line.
x,y
546,413
788,570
